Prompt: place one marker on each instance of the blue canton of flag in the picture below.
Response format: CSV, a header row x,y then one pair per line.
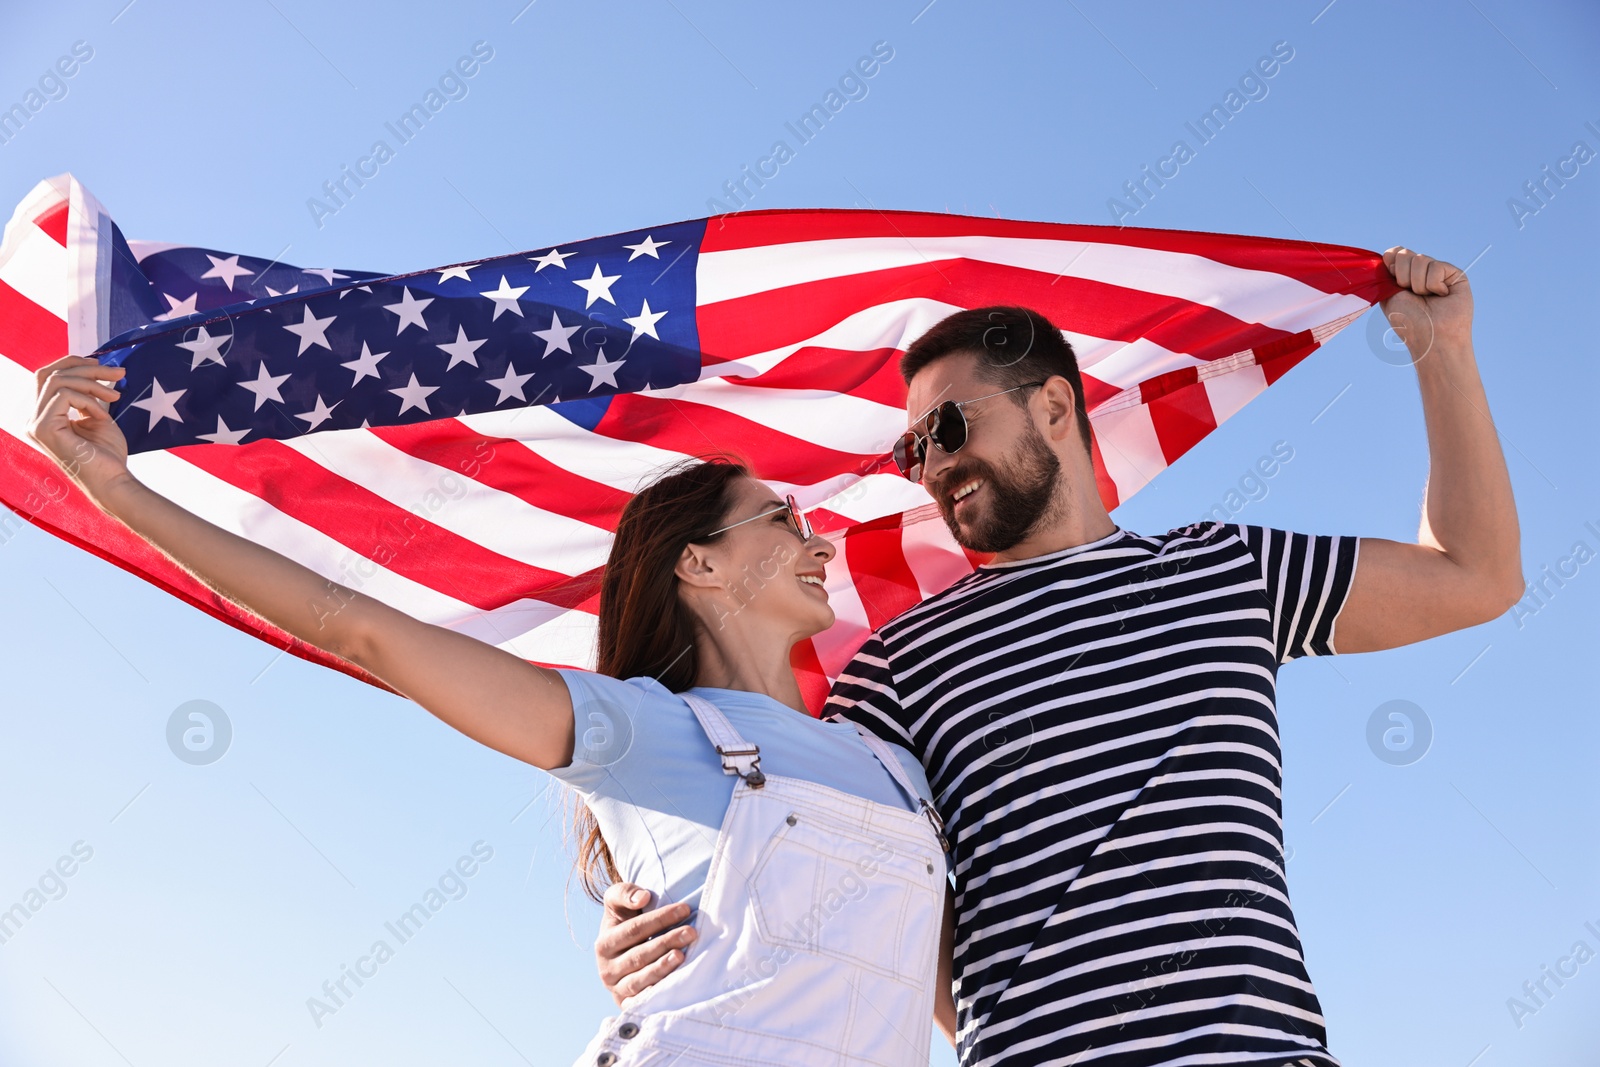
x,y
250,349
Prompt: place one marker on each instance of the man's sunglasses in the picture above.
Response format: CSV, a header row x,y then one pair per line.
x,y
946,427
797,520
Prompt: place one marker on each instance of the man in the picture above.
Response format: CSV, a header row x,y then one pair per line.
x,y
1096,708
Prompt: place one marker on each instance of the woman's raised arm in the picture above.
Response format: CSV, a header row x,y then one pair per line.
x,y
488,694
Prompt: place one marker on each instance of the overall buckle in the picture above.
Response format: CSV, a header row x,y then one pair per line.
x,y
732,758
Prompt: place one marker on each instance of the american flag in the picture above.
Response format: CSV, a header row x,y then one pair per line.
x,y
458,442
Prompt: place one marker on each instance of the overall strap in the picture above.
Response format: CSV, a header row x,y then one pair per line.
x,y
897,771
738,755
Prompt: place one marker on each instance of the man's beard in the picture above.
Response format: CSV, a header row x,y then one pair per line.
x,y
1017,502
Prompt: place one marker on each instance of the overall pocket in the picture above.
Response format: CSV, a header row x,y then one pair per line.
x,y
836,891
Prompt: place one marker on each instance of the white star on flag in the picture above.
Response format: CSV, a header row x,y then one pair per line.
x,y
410,311
645,322
319,414
647,247
264,384
162,404
311,330
505,298
225,268
415,395
557,337
327,274
509,384
367,364
601,371
295,288
553,258
205,347
224,436
179,308
462,350
597,285
457,272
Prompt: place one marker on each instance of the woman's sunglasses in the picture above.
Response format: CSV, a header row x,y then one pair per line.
x,y
796,518
946,427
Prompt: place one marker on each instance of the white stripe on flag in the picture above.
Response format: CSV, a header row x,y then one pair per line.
x,y
18,398
629,465
838,421
1248,295
497,520
1129,448
1125,365
622,465
36,267
251,517
932,554
898,323
1230,392
531,628
836,645
144,249
543,633
891,324
872,497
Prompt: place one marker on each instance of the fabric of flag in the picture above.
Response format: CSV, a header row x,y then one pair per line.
x,y
459,442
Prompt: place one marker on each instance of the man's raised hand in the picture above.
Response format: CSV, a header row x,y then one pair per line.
x,y
1434,304
628,952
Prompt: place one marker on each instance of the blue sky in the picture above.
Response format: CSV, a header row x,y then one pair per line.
x,y
216,899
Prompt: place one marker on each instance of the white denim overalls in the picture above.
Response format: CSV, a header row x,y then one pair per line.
x,y
817,933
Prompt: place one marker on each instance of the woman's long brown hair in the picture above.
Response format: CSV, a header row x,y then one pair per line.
x,y
645,629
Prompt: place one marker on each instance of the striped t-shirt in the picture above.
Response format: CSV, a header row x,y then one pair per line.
x,y
1100,731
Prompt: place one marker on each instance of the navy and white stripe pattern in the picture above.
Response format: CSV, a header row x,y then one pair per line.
x,y
1099,727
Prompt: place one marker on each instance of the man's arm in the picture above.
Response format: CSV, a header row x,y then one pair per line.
x,y
1466,567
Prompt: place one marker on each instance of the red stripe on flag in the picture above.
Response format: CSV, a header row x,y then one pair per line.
x,y
1278,359
1109,497
808,672
699,429
1284,364
374,527
872,375
1330,268
879,571
511,467
29,335
1170,382
760,322
1181,417
1095,391
54,223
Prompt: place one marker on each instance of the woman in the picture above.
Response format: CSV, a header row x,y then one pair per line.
x,y
810,847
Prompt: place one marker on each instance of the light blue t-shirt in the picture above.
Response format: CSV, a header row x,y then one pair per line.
x,y
656,786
